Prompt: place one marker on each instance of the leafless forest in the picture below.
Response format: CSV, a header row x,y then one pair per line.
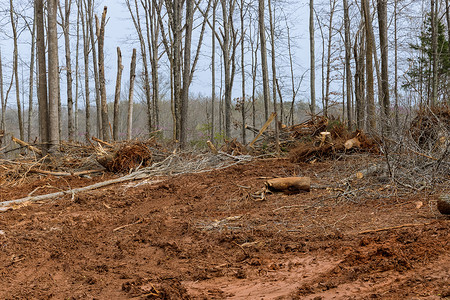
x,y
225,149
372,64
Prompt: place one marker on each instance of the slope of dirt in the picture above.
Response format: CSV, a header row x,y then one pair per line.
x,y
204,236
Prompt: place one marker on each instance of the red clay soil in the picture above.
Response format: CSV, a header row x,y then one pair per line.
x,y
203,236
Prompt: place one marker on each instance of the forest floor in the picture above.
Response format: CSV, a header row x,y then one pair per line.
x,y
204,236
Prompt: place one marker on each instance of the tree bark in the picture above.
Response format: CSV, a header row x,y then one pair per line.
x,y
243,97
117,95
371,121
65,27
213,69
265,71
101,67
328,80
130,95
42,75
31,76
434,42
274,75
15,69
90,24
385,103
2,98
312,58
86,40
348,71
53,78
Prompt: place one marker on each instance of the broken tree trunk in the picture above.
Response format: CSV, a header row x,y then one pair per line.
x,y
289,184
24,144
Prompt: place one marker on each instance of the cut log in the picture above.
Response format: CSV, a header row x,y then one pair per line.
x,y
289,184
443,204
212,147
354,142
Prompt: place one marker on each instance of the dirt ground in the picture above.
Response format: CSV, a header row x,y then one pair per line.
x,y
203,236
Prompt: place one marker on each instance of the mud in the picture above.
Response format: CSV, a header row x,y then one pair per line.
x,y
204,236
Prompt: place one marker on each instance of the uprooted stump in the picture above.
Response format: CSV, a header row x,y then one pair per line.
x,y
431,126
126,158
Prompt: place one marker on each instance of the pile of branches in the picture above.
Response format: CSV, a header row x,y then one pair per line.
x,y
419,157
77,159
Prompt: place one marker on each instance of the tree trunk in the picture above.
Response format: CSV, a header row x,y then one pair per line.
x,y
186,72
371,121
117,95
137,24
15,69
397,121
348,71
86,40
53,77
312,58
65,26
274,75
243,75
213,69
31,76
130,95
90,23
265,71
101,67
328,80
385,103
2,97
434,42
42,75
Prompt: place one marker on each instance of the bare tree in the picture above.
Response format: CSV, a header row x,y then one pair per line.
x,y
329,45
117,95
370,99
90,25
384,101
213,68
135,16
348,71
265,71
274,75
130,95
53,77
312,58
101,67
65,24
2,96
434,50
243,97
32,29
86,41
228,43
42,74
15,68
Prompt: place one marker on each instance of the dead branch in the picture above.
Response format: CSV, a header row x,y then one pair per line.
x,y
265,126
25,144
394,227
80,173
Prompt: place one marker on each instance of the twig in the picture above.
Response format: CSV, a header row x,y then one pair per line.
x,y
128,225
